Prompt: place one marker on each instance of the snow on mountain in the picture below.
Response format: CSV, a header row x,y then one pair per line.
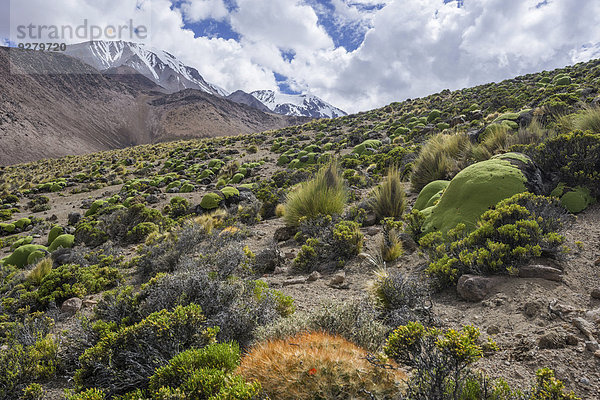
x,y
157,65
300,105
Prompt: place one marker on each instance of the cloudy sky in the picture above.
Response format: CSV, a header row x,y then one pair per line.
x,y
355,54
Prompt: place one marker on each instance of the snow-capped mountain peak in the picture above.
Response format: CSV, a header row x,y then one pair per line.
x,y
160,66
300,105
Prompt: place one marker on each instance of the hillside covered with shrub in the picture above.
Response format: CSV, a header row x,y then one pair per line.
x,y
438,248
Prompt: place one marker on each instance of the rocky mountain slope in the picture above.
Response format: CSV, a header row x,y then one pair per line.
x,y
300,105
54,105
157,65
163,242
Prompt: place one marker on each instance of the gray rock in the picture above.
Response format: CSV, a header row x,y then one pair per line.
x,y
595,294
152,199
71,306
74,218
268,259
284,233
473,287
542,272
338,279
314,276
408,243
552,340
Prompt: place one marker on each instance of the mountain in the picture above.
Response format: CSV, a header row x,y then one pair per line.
x,y
300,105
161,67
52,113
242,97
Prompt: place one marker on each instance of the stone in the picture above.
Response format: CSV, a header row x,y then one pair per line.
x,y
408,243
268,259
314,276
542,272
152,199
592,346
593,315
585,327
572,340
532,308
71,306
284,233
473,287
372,231
89,303
370,220
74,218
296,281
338,279
493,330
595,294
552,340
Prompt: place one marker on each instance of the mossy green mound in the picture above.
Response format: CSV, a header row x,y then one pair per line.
x,y
210,201
19,257
21,242
230,192
237,178
65,241
367,144
7,228
577,199
95,207
22,223
35,256
430,190
471,192
55,232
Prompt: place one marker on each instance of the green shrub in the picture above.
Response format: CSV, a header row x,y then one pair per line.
x,y
577,199
440,159
89,394
124,360
508,236
204,373
141,231
324,195
389,199
21,242
347,238
178,206
89,233
22,223
440,359
572,158
229,192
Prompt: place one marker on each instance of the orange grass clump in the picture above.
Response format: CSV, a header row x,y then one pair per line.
x,y
318,366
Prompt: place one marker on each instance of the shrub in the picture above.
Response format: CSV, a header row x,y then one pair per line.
x,y
90,394
572,158
124,360
355,320
141,231
389,199
40,271
347,239
324,195
55,232
237,307
440,359
317,366
390,246
204,373
178,206
210,201
19,257
515,231
440,159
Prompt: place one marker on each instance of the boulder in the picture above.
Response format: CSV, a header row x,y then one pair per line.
x,y
267,260
541,271
474,287
71,306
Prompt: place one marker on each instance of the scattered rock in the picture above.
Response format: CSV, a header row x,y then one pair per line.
x,y
338,281
370,220
314,276
593,315
372,231
268,259
284,233
89,303
74,218
585,327
152,199
408,243
531,309
541,271
595,294
552,340
71,306
296,281
592,346
474,288
493,330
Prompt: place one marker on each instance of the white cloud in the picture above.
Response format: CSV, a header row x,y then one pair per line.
x,y
198,10
411,48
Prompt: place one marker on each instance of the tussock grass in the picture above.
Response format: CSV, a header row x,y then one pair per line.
x,y
326,194
442,157
389,199
318,366
588,119
42,268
